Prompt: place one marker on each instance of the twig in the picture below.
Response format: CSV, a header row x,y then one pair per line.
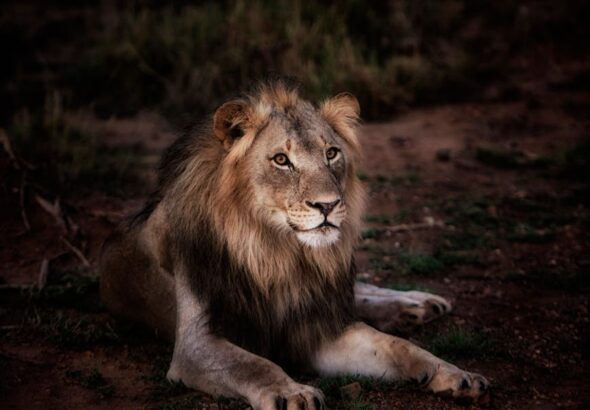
x,y
43,272
5,142
76,252
8,146
53,209
21,199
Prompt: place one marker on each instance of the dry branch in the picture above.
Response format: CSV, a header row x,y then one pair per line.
x,y
76,252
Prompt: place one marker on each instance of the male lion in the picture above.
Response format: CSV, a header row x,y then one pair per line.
x,y
244,257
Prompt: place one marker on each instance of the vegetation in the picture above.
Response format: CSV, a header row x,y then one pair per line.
x,y
92,379
458,343
331,387
62,157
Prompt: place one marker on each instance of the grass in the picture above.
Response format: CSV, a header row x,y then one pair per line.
x,y
407,263
330,386
459,343
403,215
185,59
78,332
420,264
188,402
72,289
93,380
373,233
64,158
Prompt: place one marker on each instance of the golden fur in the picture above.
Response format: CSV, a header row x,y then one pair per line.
x,y
213,165
245,253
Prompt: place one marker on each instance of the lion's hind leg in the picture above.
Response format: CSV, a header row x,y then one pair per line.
x,y
395,311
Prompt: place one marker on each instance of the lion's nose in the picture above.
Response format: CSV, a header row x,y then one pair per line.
x,y
324,207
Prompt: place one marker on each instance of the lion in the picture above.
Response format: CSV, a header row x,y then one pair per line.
x,y
243,257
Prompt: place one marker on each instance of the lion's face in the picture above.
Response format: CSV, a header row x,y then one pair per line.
x,y
298,178
296,159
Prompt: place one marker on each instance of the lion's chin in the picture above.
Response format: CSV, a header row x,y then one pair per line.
x,y
318,238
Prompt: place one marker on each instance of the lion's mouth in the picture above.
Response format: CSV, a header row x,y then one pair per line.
x,y
324,226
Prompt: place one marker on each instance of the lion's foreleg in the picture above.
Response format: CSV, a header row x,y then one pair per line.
x,y
395,311
214,365
362,350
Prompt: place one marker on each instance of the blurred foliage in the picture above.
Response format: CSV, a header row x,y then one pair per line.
x,y
187,59
62,157
184,58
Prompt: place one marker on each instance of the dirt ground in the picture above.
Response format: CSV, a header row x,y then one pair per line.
x,y
484,203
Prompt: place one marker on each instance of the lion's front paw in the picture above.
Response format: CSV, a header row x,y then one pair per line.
x,y
452,381
293,396
430,306
403,314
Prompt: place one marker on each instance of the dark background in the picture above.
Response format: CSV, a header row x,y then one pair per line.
x,y
476,141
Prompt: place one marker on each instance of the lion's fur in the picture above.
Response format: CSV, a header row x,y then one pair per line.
x,y
262,289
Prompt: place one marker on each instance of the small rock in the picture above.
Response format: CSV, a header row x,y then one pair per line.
x,y
351,391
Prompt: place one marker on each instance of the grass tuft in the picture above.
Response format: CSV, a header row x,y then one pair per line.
x,y
420,264
458,343
92,379
64,158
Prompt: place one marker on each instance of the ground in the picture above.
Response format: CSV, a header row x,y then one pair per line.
x,y
484,203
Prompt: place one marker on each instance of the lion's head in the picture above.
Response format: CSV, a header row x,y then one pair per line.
x,y
297,160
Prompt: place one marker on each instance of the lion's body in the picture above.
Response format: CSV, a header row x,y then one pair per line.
x,y
238,246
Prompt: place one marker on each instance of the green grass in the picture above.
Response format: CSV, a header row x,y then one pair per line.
x,y
408,263
93,380
459,343
404,215
420,264
186,59
330,386
373,233
65,158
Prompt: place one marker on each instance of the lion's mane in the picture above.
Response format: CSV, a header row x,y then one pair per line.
x,y
261,288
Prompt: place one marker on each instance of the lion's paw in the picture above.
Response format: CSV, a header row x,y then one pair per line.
x,y
429,306
403,314
293,396
459,384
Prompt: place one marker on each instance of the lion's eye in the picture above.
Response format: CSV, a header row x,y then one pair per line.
x,y
281,160
332,153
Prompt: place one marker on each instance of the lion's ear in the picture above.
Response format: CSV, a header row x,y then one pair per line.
x,y
229,121
342,112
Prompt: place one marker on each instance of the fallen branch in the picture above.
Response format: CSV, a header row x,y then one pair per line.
x,y
21,200
53,209
5,142
76,252
43,273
